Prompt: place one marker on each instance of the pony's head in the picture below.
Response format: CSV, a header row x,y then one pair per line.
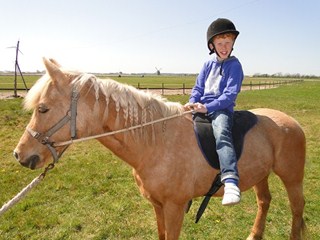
x,y
50,101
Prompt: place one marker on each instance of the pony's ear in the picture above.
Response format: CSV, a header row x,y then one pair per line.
x,y
55,62
54,71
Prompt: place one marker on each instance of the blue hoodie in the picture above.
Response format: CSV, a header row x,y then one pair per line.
x,y
218,84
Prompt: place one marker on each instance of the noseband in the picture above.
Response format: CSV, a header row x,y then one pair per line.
x,y
44,138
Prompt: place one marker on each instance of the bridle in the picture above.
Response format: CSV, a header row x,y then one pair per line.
x,y
44,138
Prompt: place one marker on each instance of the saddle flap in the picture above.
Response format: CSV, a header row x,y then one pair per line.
x,y
243,121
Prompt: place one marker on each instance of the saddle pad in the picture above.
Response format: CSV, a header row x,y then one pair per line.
x,y
243,121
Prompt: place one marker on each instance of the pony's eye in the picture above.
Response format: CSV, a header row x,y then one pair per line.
x,y
43,108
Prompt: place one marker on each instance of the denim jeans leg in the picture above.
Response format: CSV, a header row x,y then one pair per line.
x,y
222,122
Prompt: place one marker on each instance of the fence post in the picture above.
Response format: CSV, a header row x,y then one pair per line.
x,y
184,88
162,88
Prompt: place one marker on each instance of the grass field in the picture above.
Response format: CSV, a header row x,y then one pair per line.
x,y
91,194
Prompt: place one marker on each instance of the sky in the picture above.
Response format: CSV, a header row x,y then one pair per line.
x,y
276,36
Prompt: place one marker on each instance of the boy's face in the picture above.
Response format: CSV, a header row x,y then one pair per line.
x,y
223,46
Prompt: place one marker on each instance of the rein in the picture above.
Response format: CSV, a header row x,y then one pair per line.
x,y
59,144
71,115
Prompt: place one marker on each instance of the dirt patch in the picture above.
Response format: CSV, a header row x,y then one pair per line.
x,y
10,95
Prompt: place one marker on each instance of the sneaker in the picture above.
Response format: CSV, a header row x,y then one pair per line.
x,y
231,194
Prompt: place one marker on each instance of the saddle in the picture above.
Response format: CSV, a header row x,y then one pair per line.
x,y
243,121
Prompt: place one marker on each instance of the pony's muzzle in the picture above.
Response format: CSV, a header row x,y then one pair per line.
x,y
31,162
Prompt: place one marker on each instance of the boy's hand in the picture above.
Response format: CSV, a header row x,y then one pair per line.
x,y
188,106
197,107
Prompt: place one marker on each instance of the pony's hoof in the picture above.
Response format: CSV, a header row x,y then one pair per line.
x,y
253,237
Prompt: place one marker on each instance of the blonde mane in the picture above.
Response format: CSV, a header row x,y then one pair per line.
x,y
127,98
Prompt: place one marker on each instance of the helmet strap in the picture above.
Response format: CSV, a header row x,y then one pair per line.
x,y
212,48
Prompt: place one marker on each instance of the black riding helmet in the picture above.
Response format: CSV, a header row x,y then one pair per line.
x,y
219,26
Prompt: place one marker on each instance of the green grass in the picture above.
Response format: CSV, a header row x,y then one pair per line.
x,y
91,194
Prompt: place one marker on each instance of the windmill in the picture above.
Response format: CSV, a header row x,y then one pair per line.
x,y
158,71
16,69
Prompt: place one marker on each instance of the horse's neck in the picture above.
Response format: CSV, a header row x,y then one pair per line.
x,y
130,144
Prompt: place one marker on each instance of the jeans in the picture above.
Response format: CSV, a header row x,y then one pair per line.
x,y
222,122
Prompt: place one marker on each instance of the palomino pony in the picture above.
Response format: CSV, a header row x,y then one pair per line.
x,y
168,166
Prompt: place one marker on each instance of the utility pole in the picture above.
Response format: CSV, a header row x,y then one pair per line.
x,y
16,69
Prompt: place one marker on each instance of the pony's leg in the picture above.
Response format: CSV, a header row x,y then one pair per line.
x,y
295,194
173,216
263,197
292,178
169,220
160,222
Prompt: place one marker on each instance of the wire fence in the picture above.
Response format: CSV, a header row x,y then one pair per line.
x,y
172,88
168,89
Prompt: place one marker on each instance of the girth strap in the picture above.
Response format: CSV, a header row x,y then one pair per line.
x,y
214,188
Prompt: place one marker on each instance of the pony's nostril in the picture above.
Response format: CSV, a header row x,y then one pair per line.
x,y
16,155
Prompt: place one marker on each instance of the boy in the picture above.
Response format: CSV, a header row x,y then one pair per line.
x,y
214,94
